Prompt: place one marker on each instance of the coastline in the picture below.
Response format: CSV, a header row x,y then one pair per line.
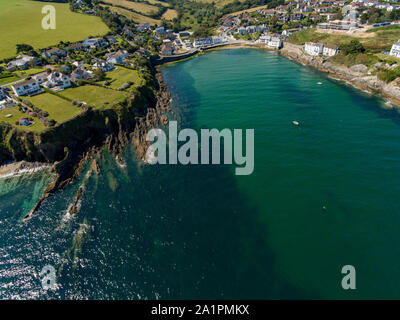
x,y
134,128
362,81
130,128
16,169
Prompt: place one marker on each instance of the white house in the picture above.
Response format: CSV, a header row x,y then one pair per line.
x,y
288,32
103,65
313,49
5,100
330,50
117,57
80,74
22,62
57,81
202,42
275,42
26,87
395,51
95,43
217,40
242,31
264,39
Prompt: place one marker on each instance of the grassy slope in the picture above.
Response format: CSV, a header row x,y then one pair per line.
x,y
165,4
134,16
218,3
21,22
137,6
382,39
247,10
170,14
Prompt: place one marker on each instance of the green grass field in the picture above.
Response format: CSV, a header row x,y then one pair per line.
x,y
58,108
94,95
29,72
121,75
21,22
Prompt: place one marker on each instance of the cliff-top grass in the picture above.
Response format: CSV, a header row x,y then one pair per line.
x,y
382,39
10,115
136,17
21,22
95,96
60,107
121,75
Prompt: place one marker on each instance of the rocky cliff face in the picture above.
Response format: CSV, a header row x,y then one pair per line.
x,y
91,128
357,75
68,146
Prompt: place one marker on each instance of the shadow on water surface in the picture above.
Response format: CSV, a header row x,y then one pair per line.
x,y
175,232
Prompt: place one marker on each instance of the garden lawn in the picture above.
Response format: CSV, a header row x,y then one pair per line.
x,y
94,95
121,75
28,72
58,108
4,81
16,115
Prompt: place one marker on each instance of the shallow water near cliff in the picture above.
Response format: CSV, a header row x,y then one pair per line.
x,y
200,231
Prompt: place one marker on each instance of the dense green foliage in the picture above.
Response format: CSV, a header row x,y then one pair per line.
x,y
354,46
388,75
374,15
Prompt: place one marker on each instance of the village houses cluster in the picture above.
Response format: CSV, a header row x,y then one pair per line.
x,y
67,65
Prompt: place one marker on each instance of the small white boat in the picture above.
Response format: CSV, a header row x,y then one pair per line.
x,y
319,83
296,123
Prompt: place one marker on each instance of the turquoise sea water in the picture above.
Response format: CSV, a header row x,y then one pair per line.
x,y
200,231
